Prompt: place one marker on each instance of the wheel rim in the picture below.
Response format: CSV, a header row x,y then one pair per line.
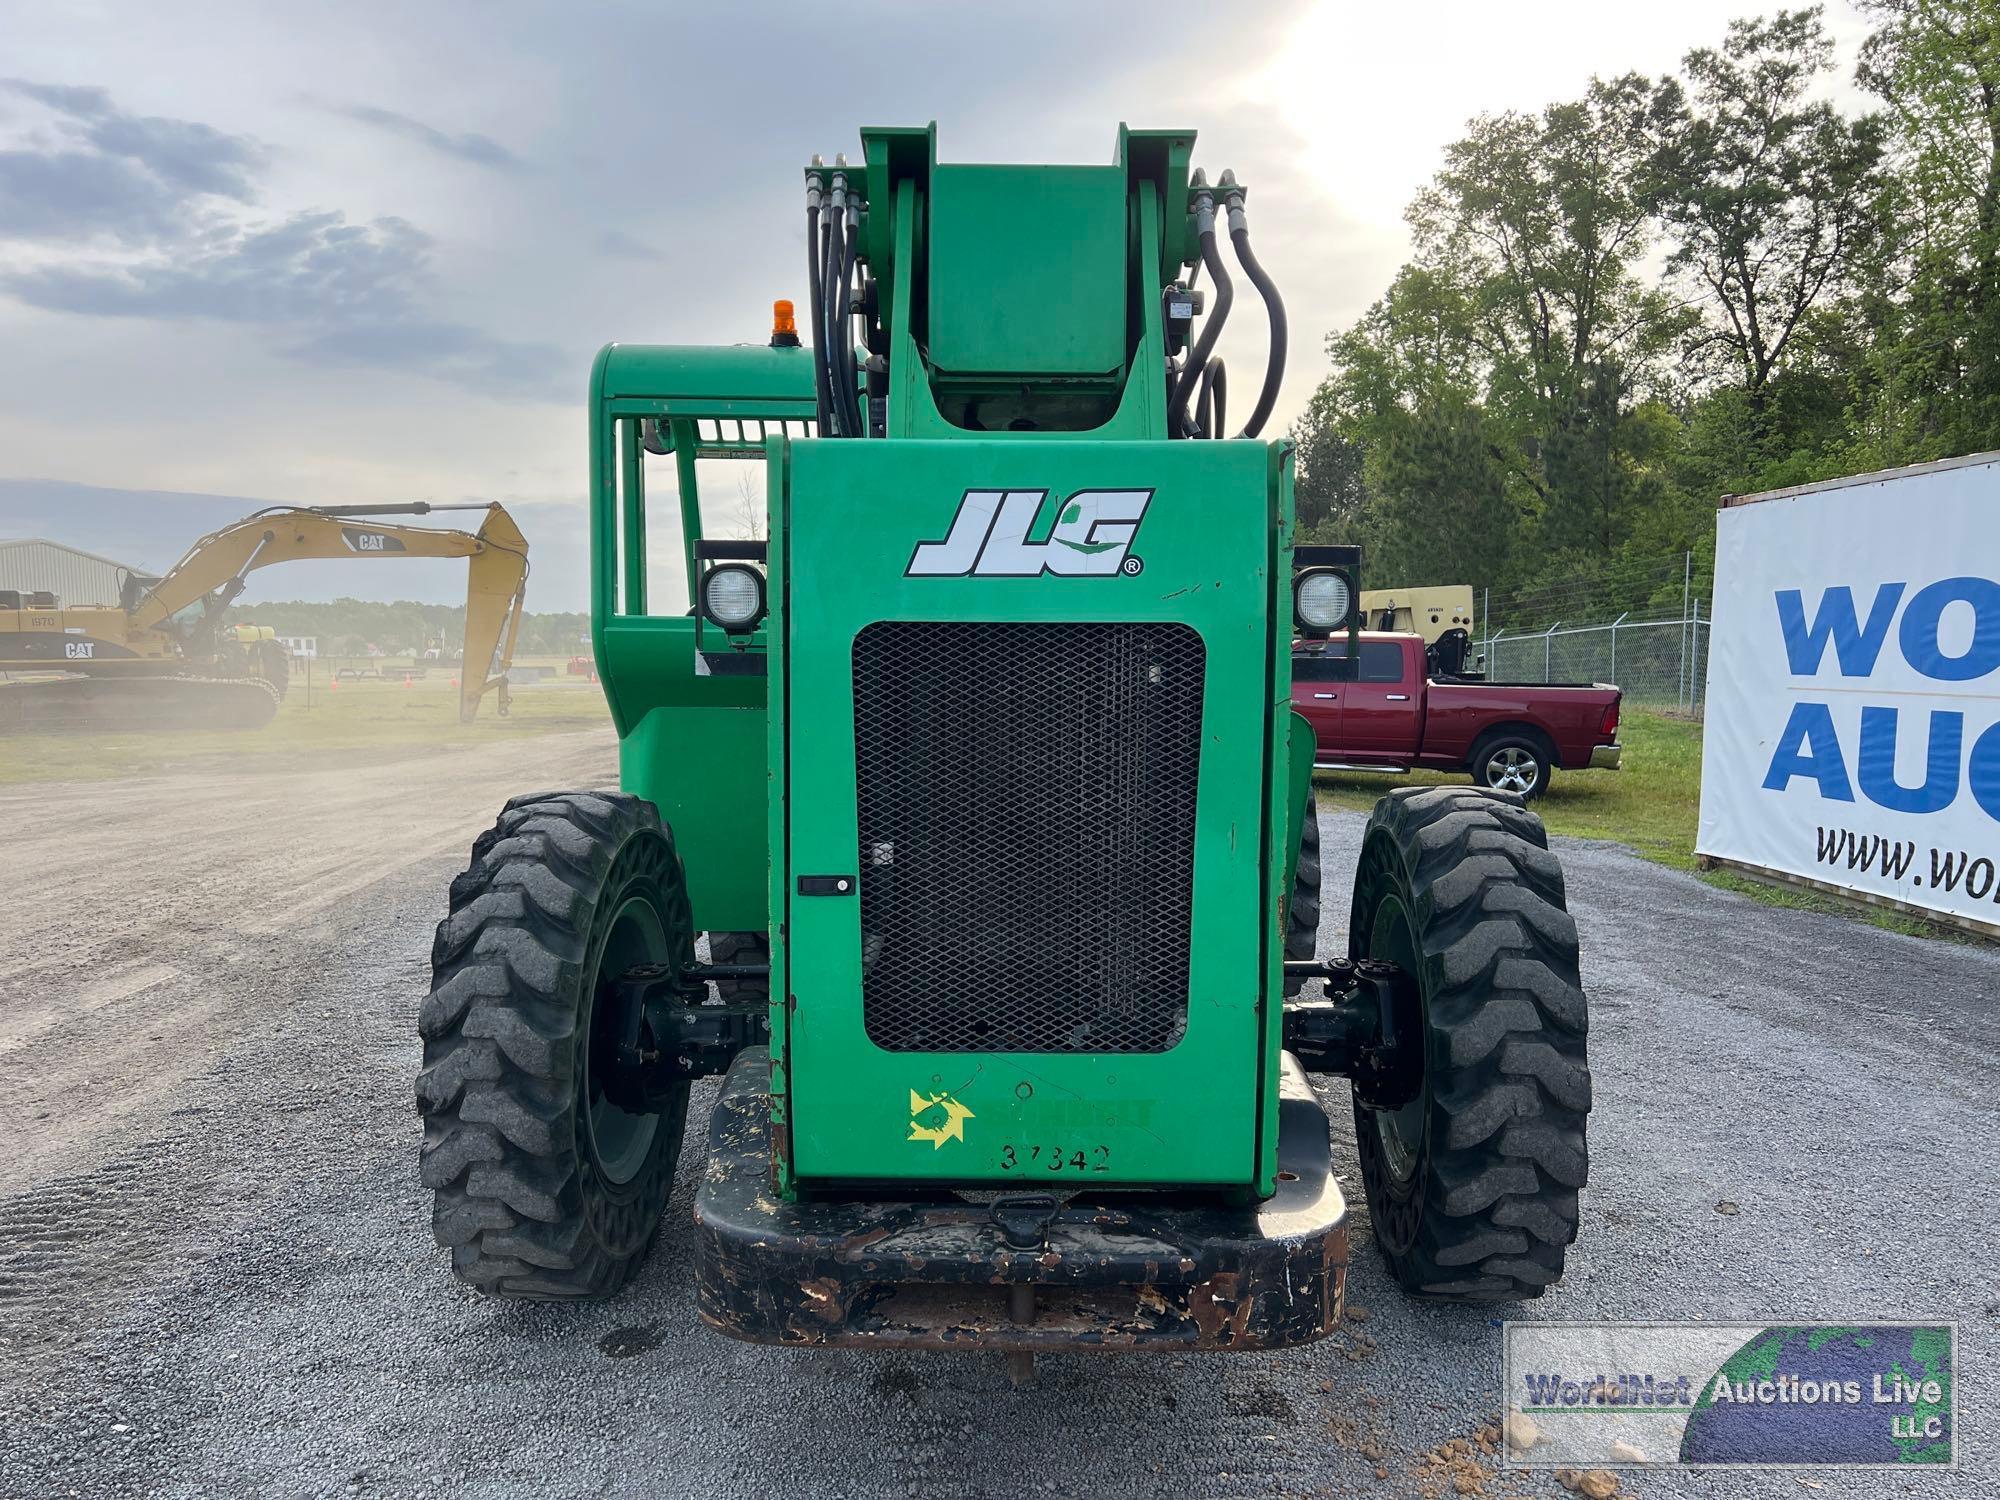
x,y
1513,769
620,1140
1401,1131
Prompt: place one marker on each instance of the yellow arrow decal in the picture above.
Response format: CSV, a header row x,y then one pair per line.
x,y
955,1116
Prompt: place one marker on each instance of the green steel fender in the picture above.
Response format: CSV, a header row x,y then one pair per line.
x,y
694,747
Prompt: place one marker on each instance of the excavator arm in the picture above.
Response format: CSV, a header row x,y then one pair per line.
x,y
213,571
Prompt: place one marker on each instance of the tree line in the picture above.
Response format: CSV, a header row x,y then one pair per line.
x,y
1670,289
350,627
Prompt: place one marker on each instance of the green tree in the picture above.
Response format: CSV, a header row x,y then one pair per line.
x,y
1507,354
347,627
1404,374
1767,195
1596,458
1541,222
1330,492
1531,402
1936,65
1443,514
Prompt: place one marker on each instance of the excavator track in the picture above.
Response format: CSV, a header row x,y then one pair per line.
x,y
112,705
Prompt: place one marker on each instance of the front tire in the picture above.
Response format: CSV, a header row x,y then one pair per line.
x,y
1473,1185
1302,910
546,1189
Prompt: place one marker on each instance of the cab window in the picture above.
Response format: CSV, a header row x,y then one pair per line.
x,y
1381,661
1322,668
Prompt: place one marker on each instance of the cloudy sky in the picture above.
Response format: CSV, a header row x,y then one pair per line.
x,y
364,253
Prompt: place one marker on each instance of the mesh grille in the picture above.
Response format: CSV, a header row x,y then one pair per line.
x,y
1026,805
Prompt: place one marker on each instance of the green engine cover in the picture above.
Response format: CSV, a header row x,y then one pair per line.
x,y
1000,534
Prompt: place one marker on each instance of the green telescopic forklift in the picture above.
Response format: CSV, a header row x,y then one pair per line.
x,y
981,779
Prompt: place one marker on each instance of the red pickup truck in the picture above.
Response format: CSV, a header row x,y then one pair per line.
x,y
1390,714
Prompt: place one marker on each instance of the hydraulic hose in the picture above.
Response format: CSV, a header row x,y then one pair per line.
x,y
816,296
838,273
833,258
1214,395
823,330
1274,368
1212,258
857,425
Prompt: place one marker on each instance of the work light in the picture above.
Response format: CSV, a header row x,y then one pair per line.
x,y
732,595
1322,599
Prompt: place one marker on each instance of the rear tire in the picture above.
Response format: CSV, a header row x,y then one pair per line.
x,y
545,1189
1514,761
740,948
1302,911
1473,1186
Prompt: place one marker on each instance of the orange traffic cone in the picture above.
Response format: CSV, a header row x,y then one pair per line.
x,y
408,680
454,682
334,687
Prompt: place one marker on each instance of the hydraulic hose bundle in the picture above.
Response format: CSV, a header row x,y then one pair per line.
x,y
1202,376
816,299
833,235
1196,367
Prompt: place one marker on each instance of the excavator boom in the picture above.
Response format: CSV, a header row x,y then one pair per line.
x,y
168,630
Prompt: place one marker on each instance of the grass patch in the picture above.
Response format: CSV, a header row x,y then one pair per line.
x,y
1651,804
1797,898
358,722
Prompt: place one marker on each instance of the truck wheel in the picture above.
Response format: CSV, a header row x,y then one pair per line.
x,y
1513,761
545,1188
740,948
1473,1185
1302,911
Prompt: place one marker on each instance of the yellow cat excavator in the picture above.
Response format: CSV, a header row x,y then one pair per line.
x,y
161,657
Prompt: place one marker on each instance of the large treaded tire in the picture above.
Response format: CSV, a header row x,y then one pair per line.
x,y
740,948
1302,910
1473,1188
527,1200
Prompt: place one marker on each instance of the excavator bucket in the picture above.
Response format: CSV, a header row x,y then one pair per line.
x,y
496,590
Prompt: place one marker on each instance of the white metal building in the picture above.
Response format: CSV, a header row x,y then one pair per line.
x,y
36,565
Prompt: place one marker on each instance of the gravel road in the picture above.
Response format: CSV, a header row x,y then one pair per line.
x,y
216,1271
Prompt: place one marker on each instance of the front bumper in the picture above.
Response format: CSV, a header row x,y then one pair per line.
x,y
1606,757
1111,1271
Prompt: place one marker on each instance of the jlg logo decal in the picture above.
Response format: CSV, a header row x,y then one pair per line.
x,y
989,537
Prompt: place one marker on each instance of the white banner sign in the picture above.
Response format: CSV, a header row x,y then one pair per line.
x,y
1853,716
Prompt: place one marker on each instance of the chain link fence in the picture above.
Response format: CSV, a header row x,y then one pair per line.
x,y
1630,631
1662,663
